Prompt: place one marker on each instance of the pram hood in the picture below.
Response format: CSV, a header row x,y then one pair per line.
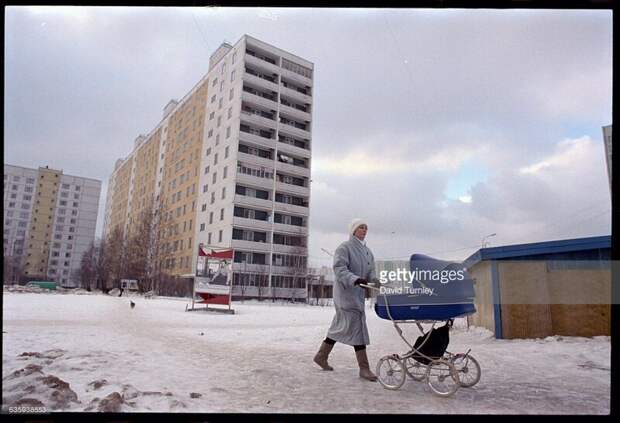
x,y
449,280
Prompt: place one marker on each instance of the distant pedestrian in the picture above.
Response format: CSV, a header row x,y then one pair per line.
x,y
354,264
132,304
121,292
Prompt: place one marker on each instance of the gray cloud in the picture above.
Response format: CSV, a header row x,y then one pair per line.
x,y
408,85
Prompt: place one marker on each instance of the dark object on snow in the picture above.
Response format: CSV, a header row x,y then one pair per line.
x,y
132,304
436,344
121,293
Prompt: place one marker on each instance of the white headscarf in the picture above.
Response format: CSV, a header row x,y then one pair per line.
x,y
355,223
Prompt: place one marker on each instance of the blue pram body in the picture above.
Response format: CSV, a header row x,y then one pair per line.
x,y
449,299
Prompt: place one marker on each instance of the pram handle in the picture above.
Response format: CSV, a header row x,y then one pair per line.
x,y
369,286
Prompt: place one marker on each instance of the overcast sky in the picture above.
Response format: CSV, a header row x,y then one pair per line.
x,y
437,126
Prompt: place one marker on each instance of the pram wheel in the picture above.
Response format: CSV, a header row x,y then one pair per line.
x,y
442,377
391,372
415,369
468,369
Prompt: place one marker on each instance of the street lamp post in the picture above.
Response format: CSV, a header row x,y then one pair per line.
x,y
484,243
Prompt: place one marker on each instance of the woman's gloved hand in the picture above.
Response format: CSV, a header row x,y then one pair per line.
x,y
360,281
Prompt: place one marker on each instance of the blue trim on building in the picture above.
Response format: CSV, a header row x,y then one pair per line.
x,y
497,306
539,248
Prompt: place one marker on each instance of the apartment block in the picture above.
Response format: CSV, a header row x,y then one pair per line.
x,y
49,221
228,166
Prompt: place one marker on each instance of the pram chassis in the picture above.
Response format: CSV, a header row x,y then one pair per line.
x,y
443,375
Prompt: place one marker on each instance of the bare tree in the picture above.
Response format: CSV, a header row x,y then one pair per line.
x,y
137,251
88,267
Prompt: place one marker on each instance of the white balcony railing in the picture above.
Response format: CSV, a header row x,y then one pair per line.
x,y
257,99
260,82
290,229
252,202
291,208
251,158
257,119
255,181
304,98
295,170
294,112
243,222
294,76
289,129
250,245
257,139
262,65
293,150
292,189
290,249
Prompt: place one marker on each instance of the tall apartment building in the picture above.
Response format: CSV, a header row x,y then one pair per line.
x,y
49,221
228,166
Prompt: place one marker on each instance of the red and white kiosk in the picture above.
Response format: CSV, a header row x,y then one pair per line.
x,y
213,280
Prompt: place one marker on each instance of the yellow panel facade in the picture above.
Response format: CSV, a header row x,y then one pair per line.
x,y
40,235
144,180
120,196
181,177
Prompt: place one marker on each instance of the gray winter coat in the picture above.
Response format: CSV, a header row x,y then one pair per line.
x,y
352,260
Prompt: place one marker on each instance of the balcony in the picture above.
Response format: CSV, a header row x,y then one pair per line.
x,y
253,268
294,112
291,208
289,249
257,99
288,271
252,202
239,244
257,119
255,181
256,139
293,150
243,222
293,93
294,76
292,189
260,82
257,160
293,169
289,129
290,229
262,64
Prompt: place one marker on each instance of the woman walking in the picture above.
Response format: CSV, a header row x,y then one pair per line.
x,y
354,264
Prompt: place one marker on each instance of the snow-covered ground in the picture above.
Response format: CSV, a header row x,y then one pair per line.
x,y
94,353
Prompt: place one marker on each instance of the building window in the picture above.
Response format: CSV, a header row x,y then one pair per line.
x,y
219,121
220,104
229,112
202,227
219,238
210,218
212,197
213,99
209,238
208,151
65,186
210,134
234,57
232,76
204,207
221,86
77,188
221,215
225,172
214,82
215,159
231,93
211,115
228,132
214,177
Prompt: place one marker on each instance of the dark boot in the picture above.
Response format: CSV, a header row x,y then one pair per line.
x,y
321,357
362,360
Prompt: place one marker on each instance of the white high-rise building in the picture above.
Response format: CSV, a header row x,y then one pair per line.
x,y
254,191
228,166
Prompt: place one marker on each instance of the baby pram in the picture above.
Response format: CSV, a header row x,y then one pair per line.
x,y
440,291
